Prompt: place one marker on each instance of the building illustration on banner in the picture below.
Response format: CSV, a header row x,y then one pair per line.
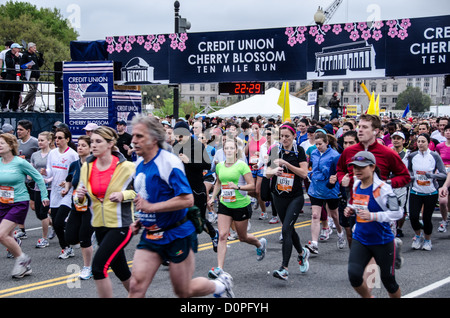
x,y
352,60
137,70
93,102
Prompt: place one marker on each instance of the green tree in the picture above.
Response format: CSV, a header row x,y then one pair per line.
x,y
22,21
418,101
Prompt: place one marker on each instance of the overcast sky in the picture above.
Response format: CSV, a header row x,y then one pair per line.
x,y
96,19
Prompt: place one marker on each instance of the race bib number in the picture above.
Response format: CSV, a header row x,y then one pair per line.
x,y
6,194
285,182
228,194
422,179
360,202
153,233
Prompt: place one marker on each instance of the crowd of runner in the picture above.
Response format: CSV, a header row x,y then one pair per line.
x,y
363,177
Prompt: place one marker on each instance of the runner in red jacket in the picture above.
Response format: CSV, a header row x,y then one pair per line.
x,y
388,161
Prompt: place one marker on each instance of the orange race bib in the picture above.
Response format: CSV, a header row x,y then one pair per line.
x,y
422,179
360,201
285,182
6,194
155,236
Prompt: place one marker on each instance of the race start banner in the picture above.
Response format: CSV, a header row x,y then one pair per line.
x,y
357,50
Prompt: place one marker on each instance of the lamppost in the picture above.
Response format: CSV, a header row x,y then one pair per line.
x,y
181,26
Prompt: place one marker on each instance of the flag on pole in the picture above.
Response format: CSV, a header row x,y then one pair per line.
x,y
371,110
283,101
405,113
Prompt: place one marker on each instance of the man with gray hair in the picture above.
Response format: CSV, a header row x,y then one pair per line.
x,y
162,201
8,129
31,61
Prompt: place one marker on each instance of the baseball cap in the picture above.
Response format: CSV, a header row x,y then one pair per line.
x,y
90,127
6,128
16,46
363,159
398,133
121,122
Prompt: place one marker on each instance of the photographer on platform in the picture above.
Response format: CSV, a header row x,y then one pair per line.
x,y
31,61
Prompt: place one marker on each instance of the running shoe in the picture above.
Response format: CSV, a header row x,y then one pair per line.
x,y
331,223
303,260
20,234
341,241
398,253
261,251
417,242
215,241
66,253
281,273
313,248
263,216
227,281
42,242
22,266
443,226
426,245
212,217
232,236
51,232
85,273
215,272
325,233
274,220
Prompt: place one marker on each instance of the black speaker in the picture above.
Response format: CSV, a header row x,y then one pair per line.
x,y
59,100
58,80
447,80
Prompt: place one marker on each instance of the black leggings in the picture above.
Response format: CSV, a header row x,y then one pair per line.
x,y
79,228
384,255
110,252
415,205
200,201
59,216
288,210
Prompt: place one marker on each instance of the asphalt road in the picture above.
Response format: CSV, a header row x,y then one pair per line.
x,y
425,274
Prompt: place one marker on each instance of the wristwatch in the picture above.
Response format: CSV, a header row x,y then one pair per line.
x,y
239,187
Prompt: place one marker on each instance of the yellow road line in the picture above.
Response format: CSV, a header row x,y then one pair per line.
x,y
73,277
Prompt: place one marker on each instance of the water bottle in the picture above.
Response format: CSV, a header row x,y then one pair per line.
x,y
17,72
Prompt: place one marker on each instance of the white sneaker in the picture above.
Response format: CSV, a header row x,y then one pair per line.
x,y
341,240
66,253
426,245
227,281
85,273
22,266
443,226
325,234
417,242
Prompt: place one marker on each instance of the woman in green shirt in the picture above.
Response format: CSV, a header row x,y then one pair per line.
x,y
234,179
14,199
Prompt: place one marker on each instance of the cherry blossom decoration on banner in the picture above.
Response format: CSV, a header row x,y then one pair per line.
x,y
356,30
76,96
150,42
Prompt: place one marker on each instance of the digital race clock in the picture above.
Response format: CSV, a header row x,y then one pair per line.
x,y
242,88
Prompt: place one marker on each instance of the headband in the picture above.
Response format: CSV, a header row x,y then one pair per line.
x,y
287,126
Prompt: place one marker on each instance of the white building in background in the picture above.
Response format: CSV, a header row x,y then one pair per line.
x,y
353,94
